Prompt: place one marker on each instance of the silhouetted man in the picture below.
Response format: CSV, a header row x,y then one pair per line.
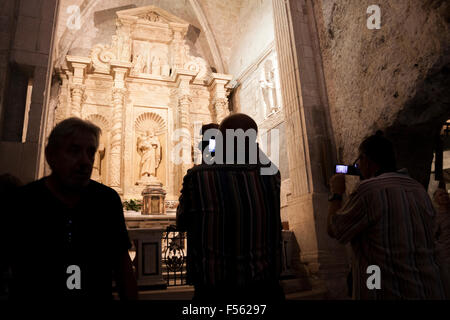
x,y
389,222
442,233
68,237
231,213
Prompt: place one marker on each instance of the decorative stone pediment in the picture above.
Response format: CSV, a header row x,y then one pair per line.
x,y
151,14
152,41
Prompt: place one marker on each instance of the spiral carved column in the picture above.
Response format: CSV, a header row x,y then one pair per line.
x,y
77,97
116,138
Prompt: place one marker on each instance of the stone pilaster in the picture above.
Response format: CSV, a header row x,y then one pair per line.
x,y
78,66
219,100
221,109
309,141
178,53
60,111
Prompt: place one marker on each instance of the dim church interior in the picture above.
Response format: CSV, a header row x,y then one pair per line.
x,y
315,78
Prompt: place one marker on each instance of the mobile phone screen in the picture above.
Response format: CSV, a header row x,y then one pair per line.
x,y
212,145
341,168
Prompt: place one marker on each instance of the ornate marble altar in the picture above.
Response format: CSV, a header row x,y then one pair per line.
x,y
139,90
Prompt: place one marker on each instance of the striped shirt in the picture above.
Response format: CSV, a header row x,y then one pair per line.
x,y
232,217
389,222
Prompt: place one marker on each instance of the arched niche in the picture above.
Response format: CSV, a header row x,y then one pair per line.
x,y
149,121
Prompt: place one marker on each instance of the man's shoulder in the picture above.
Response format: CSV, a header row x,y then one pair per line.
x,y
389,180
99,188
32,187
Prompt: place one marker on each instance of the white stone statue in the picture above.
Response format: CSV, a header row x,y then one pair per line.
x,y
149,148
268,88
139,64
97,167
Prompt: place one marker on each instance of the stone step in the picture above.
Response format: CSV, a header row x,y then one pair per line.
x,y
295,285
171,293
315,294
187,292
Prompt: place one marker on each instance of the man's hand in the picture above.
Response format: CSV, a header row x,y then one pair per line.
x,y
337,183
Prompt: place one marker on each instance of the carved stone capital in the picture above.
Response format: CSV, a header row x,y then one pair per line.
x,y
118,95
221,108
119,92
184,99
77,89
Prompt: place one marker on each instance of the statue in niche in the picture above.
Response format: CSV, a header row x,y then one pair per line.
x,y
139,64
149,148
97,167
268,88
156,65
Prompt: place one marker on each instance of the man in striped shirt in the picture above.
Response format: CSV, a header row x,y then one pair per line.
x,y
231,213
389,222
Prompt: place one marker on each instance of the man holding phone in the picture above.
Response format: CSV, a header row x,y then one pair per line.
x,y
211,144
389,222
231,212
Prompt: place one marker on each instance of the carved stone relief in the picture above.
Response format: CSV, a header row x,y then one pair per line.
x,y
150,58
260,95
268,86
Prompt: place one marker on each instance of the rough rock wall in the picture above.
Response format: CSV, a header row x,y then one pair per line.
x,y
394,79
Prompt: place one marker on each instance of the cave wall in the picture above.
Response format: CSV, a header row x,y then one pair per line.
x,y
394,78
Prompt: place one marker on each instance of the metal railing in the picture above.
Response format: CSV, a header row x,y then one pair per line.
x,y
174,248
